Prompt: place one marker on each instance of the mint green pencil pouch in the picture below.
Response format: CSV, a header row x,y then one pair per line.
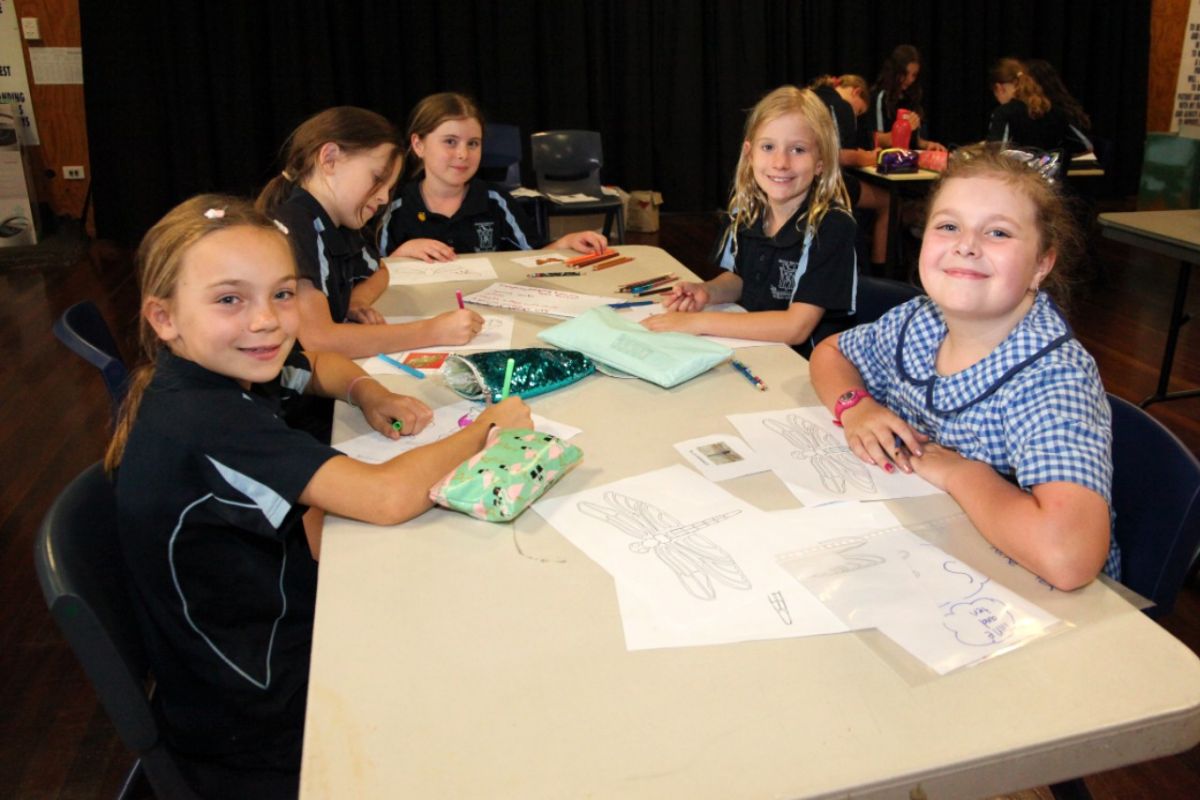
x,y
515,467
665,358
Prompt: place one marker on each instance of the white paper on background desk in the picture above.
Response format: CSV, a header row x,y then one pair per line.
x,y
639,313
578,197
721,457
538,300
531,262
375,448
809,453
688,555
496,334
934,606
525,191
411,272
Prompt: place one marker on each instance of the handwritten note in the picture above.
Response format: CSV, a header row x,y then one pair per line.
x,y
537,300
410,272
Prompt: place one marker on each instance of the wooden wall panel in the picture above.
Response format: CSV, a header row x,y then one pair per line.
x,y
1168,21
62,124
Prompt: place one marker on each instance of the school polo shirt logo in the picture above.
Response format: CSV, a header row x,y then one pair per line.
x,y
486,233
787,279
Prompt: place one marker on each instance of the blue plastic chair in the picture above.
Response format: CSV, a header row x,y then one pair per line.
x,y
83,329
501,158
1156,497
83,577
877,296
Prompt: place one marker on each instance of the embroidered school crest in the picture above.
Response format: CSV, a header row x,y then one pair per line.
x,y
786,284
485,232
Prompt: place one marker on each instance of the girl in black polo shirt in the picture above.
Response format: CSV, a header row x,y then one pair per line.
x,y
1025,115
339,167
220,503
788,249
445,209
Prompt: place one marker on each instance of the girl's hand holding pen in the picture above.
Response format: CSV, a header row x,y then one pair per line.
x,y
380,408
878,436
508,413
427,250
456,327
686,297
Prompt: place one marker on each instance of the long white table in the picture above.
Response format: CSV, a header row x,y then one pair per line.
x,y
456,658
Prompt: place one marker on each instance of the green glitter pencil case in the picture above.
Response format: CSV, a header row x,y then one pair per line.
x,y
536,370
515,467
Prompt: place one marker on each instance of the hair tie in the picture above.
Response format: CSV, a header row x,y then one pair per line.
x,y
1020,74
837,82
215,213
1048,165
283,228
287,177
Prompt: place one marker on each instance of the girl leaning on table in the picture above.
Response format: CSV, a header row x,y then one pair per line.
x,y
339,166
788,250
981,387
445,209
220,503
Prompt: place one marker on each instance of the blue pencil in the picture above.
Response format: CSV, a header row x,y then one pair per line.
x,y
632,304
400,365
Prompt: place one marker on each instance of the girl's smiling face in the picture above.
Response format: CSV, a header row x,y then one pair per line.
x,y
233,310
451,153
785,161
980,255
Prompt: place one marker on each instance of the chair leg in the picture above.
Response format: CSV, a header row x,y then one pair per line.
x,y
135,785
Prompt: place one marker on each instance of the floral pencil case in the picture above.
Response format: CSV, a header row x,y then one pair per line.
x,y
515,467
536,370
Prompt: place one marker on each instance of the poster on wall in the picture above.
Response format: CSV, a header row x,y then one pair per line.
x,y
1187,87
14,83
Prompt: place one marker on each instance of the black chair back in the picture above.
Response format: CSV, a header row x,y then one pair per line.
x,y
84,580
82,328
877,296
567,162
501,159
1156,497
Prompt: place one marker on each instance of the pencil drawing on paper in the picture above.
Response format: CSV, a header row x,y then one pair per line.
x,y
833,462
694,558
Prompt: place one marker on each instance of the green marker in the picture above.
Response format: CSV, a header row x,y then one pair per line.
x,y
508,368
398,425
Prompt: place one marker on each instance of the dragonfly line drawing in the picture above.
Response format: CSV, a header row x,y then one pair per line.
x,y
833,462
694,558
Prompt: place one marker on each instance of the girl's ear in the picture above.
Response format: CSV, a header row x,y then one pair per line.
x,y
328,155
746,148
157,312
1044,265
417,145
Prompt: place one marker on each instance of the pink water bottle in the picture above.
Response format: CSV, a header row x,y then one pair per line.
x,y
901,130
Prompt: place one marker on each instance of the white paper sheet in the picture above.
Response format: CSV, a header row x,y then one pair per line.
x,y
538,300
578,197
375,448
809,453
720,457
690,560
937,608
496,334
410,272
531,262
639,313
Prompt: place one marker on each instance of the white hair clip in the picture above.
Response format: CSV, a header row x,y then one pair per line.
x,y
215,213
281,226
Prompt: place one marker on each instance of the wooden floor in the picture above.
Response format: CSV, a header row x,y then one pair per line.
x,y
55,740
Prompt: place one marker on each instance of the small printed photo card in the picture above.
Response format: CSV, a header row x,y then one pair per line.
x,y
720,457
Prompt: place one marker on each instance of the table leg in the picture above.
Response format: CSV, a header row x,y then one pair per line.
x,y
1179,318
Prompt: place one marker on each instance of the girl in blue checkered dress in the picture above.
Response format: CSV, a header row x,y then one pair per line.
x,y
981,387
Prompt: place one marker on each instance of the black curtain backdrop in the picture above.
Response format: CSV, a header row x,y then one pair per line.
x,y
185,96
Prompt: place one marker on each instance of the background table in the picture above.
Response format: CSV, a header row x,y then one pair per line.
x,y
1175,234
457,658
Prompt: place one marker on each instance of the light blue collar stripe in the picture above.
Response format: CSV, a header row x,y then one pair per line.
x,y
519,234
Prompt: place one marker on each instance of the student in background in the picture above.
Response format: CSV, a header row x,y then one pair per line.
x,y
897,87
1079,124
1025,115
980,387
220,503
846,98
339,167
445,209
788,248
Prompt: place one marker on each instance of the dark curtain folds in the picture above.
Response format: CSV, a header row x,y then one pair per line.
x,y
188,96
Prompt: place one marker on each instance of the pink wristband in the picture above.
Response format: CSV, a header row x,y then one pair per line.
x,y
350,388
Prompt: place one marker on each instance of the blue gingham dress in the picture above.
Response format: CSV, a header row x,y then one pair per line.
x,y
1034,408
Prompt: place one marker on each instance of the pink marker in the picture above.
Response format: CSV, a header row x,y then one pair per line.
x,y
458,294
